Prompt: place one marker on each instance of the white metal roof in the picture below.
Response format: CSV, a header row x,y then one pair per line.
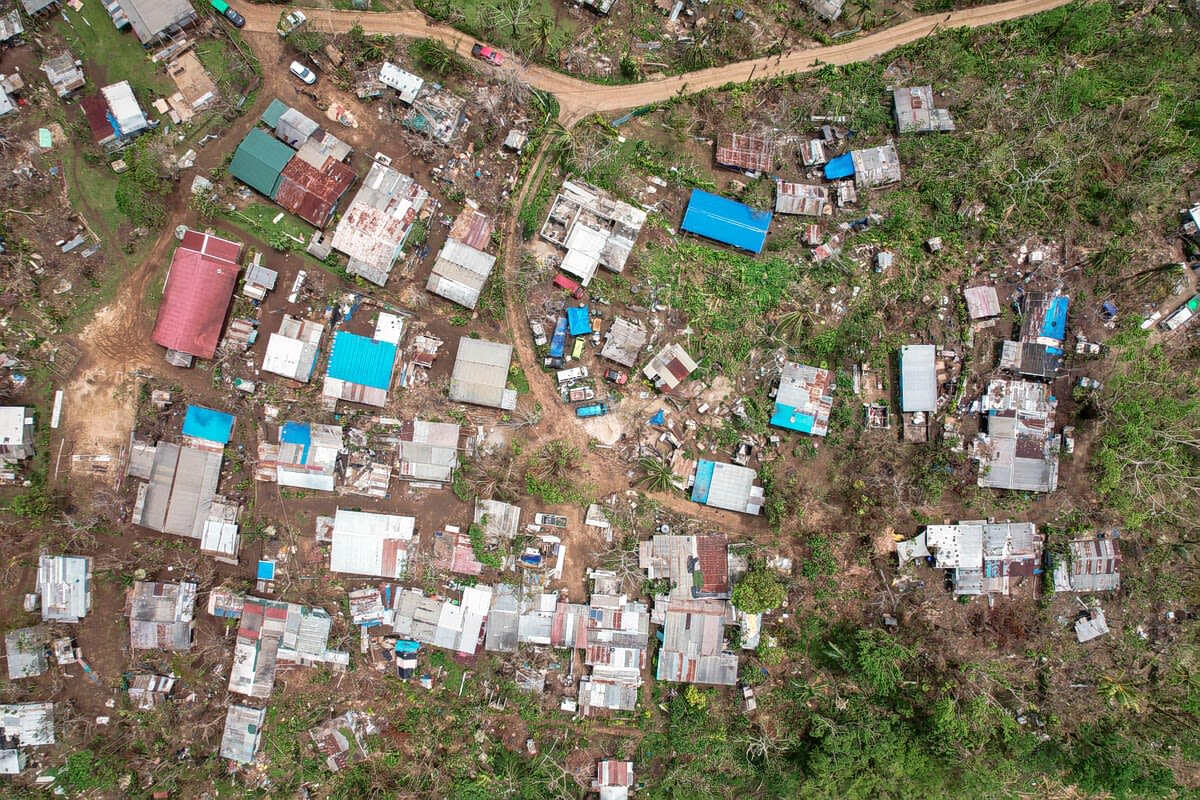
x,y
407,84
918,378
481,373
370,544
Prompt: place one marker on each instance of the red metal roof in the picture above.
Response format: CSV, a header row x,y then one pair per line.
x,y
96,110
212,246
199,288
311,193
713,554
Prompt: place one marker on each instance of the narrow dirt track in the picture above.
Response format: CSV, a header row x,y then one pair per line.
x,y
578,98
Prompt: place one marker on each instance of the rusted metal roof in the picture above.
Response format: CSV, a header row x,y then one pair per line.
x,y
313,194
745,152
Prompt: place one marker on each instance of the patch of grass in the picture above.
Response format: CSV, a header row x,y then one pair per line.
x,y
118,54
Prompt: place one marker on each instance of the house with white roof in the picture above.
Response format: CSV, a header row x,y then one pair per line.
x,y
371,544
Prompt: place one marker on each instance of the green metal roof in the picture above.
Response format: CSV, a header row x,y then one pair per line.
x,y
259,160
271,116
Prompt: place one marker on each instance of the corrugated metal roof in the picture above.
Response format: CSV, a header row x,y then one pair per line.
x,y
31,723
801,198
294,128
1094,565
243,730
624,342
982,302
375,226
313,193
160,615
744,151
914,111
727,486
407,84
152,18
481,373
428,450
357,359
371,544
669,367
259,161
918,378
726,221
472,227
876,166
804,399
65,584
460,272
195,301
124,108
25,651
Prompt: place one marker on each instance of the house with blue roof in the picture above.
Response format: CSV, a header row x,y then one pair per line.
x,y
360,369
306,456
804,399
726,221
208,425
726,486
1039,351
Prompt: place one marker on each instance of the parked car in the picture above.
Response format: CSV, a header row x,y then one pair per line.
x,y
552,520
578,395
577,352
1181,314
594,410
228,13
488,54
303,73
1085,348
616,376
1068,439
289,22
558,343
539,332
553,362
563,282
571,374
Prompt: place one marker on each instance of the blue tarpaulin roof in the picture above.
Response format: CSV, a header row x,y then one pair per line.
x,y
357,359
579,320
704,474
266,570
297,433
840,167
788,417
407,646
205,423
1054,325
726,221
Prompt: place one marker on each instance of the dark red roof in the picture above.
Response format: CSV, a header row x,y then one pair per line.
x,y
96,110
199,288
212,246
713,554
310,193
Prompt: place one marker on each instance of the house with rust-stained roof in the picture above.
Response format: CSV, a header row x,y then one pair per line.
x,y
341,740
694,610
313,193
1017,451
374,228
746,152
1090,565
160,615
243,733
614,779
199,287
984,557
669,368
275,634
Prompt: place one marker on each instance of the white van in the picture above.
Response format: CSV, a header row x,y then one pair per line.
x,y
575,373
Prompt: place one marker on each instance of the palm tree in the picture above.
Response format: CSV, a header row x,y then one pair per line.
x,y
541,36
659,476
1120,692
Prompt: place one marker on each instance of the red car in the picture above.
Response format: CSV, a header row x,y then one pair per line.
x,y
563,282
482,51
616,376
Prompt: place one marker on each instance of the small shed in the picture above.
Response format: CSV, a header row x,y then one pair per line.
x,y
982,302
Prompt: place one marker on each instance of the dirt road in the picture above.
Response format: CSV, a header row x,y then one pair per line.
x,y
578,98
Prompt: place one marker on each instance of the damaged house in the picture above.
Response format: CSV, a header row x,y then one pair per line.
x,y
1018,450
876,166
1039,352
243,733
913,109
65,586
292,351
276,634
918,389
745,152
984,557
160,615
803,399
695,609
1091,565
428,451
594,229
23,725
305,458
450,625
374,228
623,342
669,368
